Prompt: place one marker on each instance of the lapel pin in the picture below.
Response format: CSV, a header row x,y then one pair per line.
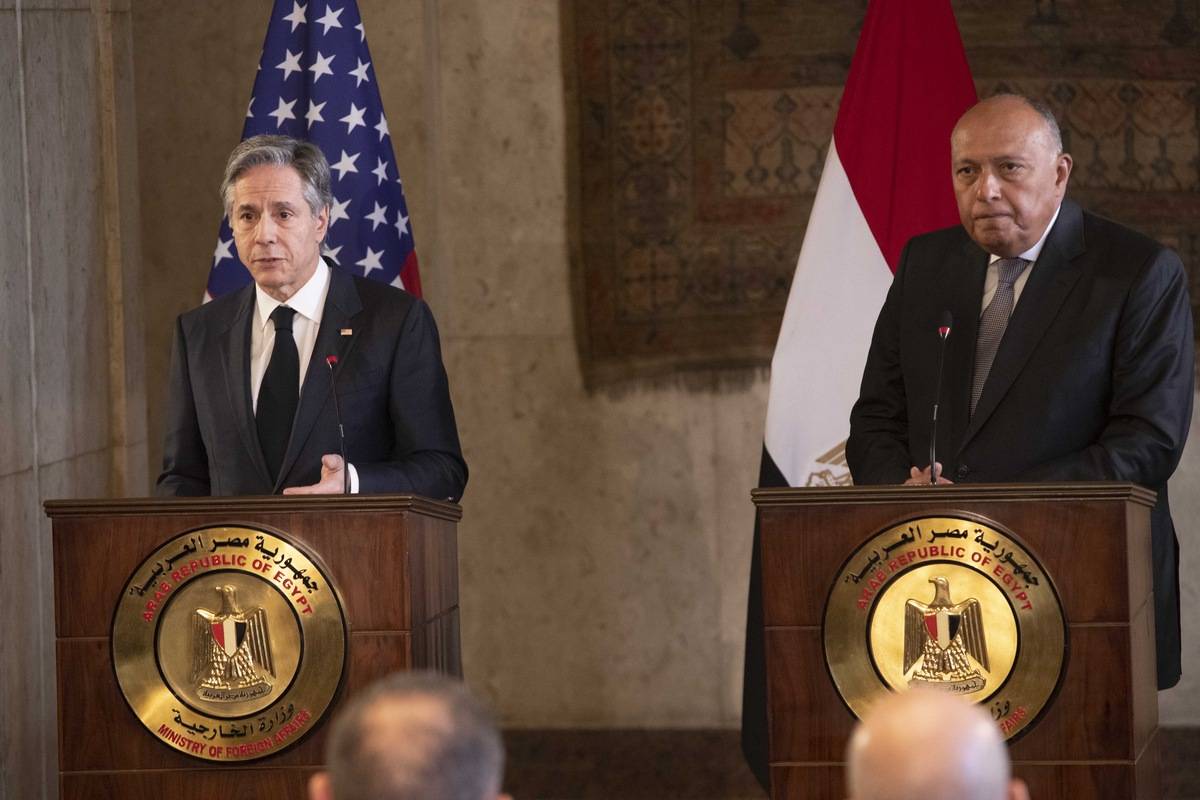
x,y
347,332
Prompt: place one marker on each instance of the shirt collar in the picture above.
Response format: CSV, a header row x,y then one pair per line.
x,y
1032,253
309,302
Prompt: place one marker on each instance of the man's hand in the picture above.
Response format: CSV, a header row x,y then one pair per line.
x,y
332,480
920,477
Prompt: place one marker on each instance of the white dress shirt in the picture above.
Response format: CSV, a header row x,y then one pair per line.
x,y
992,280
309,305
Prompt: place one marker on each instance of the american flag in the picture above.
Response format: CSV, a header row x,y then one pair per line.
x,y
315,81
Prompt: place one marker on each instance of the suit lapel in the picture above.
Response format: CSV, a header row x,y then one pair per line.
x,y
1053,276
967,278
341,304
235,351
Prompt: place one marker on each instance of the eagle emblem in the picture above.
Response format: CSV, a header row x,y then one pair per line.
x,y
231,651
948,641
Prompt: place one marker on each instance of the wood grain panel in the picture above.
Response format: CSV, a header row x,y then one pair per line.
x,y
808,721
93,560
192,784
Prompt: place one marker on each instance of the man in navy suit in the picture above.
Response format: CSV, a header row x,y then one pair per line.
x,y
1071,356
251,405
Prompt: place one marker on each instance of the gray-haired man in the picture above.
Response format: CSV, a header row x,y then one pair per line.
x,y
412,736
251,407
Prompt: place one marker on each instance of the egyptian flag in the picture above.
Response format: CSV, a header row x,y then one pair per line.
x,y
886,178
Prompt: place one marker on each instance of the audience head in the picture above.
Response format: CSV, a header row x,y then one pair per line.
x,y
410,736
929,745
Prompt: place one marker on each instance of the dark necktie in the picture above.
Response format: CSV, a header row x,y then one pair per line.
x,y
279,392
994,322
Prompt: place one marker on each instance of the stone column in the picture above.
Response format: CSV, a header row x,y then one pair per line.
x,y
71,374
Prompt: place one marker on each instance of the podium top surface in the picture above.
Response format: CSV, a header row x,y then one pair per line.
x,y
281,504
954,493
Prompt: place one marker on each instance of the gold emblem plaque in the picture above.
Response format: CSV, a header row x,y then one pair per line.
x,y
949,603
229,643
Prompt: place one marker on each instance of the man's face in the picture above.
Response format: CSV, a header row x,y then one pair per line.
x,y
278,237
1008,175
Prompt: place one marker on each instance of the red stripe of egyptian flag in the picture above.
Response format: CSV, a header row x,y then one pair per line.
x,y
908,84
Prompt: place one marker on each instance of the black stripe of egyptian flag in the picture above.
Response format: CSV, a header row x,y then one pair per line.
x,y
754,678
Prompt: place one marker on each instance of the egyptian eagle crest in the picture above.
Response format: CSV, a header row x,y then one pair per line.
x,y
231,651
947,639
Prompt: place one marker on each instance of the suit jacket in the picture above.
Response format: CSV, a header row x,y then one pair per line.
x,y
391,386
1093,379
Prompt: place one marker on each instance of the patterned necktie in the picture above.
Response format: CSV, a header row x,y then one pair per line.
x,y
279,392
993,323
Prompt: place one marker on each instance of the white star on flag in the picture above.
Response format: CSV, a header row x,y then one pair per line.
x,y
362,34
380,170
297,15
338,210
370,261
331,252
360,72
345,164
382,127
284,111
250,109
401,224
377,217
330,20
223,250
314,113
354,118
290,64
321,67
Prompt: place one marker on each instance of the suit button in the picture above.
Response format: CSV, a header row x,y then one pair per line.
x,y
963,472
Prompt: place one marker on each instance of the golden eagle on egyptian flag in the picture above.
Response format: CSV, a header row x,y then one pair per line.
x,y
231,650
942,635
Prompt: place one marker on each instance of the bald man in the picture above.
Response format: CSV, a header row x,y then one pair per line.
x,y
412,736
1071,352
960,754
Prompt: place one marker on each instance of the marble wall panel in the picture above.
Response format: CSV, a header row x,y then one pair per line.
x,y
588,550
16,402
740,418
1181,705
68,269
27,741
502,168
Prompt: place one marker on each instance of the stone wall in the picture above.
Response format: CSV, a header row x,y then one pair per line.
x,y
71,399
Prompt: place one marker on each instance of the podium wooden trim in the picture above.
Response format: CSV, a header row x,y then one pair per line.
x,y
1096,738
394,559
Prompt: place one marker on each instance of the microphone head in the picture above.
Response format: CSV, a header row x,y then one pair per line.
x,y
331,361
946,324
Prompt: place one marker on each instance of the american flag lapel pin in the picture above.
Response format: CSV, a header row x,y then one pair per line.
x,y
347,331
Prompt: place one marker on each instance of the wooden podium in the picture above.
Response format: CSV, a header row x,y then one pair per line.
x,y
393,559
1095,738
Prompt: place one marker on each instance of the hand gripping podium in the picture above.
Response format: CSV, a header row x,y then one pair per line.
x,y
203,644
1034,600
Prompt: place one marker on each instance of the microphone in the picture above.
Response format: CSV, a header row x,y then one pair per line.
x,y
943,334
331,362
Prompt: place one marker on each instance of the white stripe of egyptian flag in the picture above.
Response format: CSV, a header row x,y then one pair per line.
x,y
886,179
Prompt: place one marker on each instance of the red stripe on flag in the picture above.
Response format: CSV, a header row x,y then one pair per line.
x,y
909,83
409,275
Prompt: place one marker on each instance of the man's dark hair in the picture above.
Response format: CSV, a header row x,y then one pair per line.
x,y
282,151
415,735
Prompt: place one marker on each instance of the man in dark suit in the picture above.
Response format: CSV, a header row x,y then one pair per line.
x,y
1071,356
251,394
